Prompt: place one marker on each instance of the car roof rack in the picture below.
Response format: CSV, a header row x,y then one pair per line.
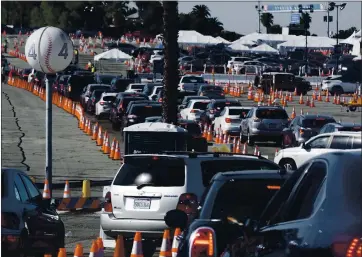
x,y
192,154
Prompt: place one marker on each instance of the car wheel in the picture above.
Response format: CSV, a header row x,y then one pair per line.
x,y
250,139
288,164
352,108
242,137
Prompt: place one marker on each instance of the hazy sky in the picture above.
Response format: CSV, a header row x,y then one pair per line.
x,y
242,17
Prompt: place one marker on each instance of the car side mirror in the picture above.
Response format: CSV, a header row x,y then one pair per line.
x,y
306,146
176,219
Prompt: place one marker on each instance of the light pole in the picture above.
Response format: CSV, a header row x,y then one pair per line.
x,y
311,9
331,7
259,8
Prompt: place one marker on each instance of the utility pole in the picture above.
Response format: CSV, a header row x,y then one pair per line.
x,y
310,8
259,8
328,21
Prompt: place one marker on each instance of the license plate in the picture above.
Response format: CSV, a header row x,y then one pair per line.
x,y
142,204
272,125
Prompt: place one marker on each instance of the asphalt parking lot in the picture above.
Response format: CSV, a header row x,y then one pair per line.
x,y
75,155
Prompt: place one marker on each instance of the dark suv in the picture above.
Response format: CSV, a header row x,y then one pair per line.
x,y
138,113
119,107
215,107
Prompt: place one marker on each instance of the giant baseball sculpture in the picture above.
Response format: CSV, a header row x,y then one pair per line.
x,y
49,50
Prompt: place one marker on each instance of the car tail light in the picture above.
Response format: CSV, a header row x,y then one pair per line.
x,y
69,88
348,248
193,111
9,220
132,116
257,120
203,243
301,131
188,203
108,203
227,120
101,103
160,100
201,94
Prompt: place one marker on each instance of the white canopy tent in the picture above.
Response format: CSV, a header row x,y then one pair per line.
x,y
238,48
223,40
192,37
113,54
264,48
322,43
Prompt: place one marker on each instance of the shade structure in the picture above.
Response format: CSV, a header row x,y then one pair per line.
x,y
115,54
264,48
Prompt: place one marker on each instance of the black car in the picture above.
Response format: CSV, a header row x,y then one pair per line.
x,y
303,127
343,126
30,225
119,85
215,107
146,102
75,84
138,113
94,98
182,94
195,141
105,78
119,107
212,92
238,194
320,215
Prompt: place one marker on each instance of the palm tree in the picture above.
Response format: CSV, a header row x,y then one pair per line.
x,y
214,26
267,19
201,11
305,20
170,36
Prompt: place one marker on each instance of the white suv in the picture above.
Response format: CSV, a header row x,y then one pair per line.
x,y
147,186
294,157
340,85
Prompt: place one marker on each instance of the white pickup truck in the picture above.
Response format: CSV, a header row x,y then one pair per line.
x,y
191,83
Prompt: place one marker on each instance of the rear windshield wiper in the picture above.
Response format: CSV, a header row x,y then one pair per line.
x,y
144,185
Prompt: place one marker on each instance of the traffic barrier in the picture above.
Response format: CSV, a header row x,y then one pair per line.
x,y
84,203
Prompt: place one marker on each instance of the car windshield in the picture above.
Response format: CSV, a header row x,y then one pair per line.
x,y
221,105
98,93
126,100
193,80
278,114
153,170
245,198
99,87
200,105
316,123
137,87
211,89
146,110
109,98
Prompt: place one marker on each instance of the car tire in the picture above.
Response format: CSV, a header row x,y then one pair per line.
x,y
242,137
250,139
352,108
288,164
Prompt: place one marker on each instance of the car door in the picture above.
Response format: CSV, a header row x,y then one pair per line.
x,y
289,133
184,112
219,119
313,147
292,233
245,122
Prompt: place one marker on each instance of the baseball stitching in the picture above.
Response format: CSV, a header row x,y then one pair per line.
x,y
49,51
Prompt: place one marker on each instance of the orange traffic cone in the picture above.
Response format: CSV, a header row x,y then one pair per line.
x,y
117,152
107,147
293,113
46,191
290,97
66,193
250,94
119,249
165,250
314,96
307,102
216,136
78,251
301,101
209,134
245,149
327,97
256,150
62,253
319,97
94,249
335,99
100,252
175,242
90,128
234,145
137,245
312,105
259,154
104,140
95,131
113,147
85,129
301,112
99,137
338,102
295,91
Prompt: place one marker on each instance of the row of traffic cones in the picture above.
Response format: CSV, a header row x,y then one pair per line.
x,y
102,139
97,248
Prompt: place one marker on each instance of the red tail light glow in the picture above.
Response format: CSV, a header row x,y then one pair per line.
x,y
188,203
351,248
101,103
301,131
202,242
227,120
108,202
193,111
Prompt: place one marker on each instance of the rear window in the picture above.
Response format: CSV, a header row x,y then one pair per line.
x,y
242,112
221,105
106,79
316,123
193,80
210,168
153,170
211,89
277,114
109,98
126,101
245,198
355,128
146,110
138,87
99,87
200,105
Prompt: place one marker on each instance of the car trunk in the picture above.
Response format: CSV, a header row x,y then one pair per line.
x,y
271,119
147,187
